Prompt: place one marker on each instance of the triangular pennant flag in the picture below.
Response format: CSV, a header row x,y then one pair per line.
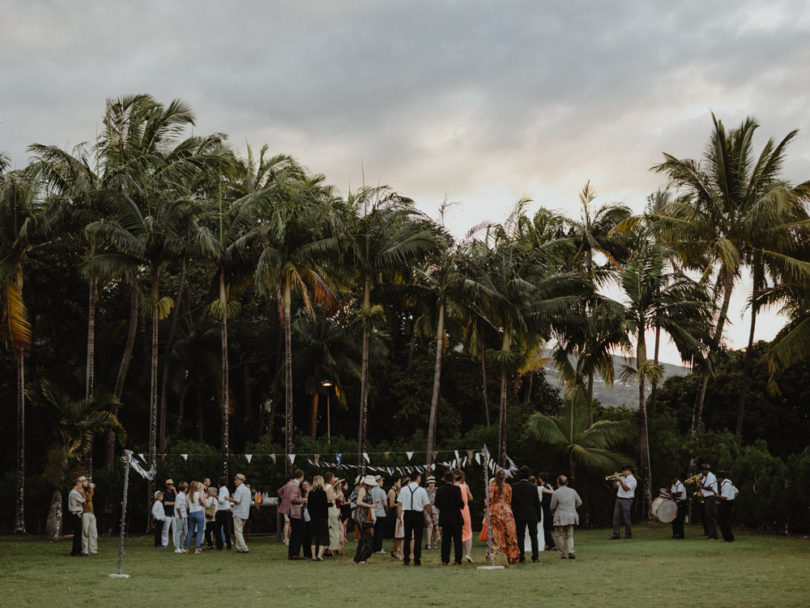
x,y
273,458
464,462
478,457
309,460
185,456
317,458
248,457
365,455
292,458
456,454
142,457
390,470
409,455
338,457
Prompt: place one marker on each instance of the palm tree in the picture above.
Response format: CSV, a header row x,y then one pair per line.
x,y
380,234
709,225
22,227
658,299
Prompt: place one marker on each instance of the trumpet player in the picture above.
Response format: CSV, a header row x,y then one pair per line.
x,y
625,485
677,492
708,488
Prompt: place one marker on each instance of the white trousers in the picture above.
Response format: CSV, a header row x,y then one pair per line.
x,y
89,534
567,533
167,526
180,532
238,536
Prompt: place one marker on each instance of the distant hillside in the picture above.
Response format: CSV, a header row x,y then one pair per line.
x,y
621,393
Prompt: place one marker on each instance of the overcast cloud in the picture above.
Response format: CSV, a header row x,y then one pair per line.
x,y
475,102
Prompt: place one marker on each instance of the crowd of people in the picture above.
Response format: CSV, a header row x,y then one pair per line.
x,y
319,515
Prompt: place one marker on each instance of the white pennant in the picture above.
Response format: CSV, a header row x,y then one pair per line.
x,y
248,457
365,455
292,458
142,457
185,456
409,455
478,457
456,453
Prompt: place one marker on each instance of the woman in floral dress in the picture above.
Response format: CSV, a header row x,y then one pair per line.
x,y
501,519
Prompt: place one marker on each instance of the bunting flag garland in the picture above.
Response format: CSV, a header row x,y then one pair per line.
x,y
455,452
409,455
248,457
142,457
365,455
292,458
136,466
273,458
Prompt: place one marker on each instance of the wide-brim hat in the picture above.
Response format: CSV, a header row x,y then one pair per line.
x,y
431,479
369,480
81,478
169,481
240,477
158,493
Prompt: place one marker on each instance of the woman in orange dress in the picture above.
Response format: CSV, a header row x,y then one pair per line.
x,y
501,519
466,527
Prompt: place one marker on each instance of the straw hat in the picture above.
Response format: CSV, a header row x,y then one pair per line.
x,y
369,480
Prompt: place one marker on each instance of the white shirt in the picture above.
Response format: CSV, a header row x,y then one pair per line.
x,y
222,504
678,491
728,491
631,483
708,485
413,497
158,512
241,508
210,500
180,506
195,502
75,502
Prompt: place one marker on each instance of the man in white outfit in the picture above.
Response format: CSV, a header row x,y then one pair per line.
x,y
564,503
241,512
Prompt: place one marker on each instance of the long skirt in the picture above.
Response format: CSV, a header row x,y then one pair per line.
x,y
334,529
365,546
504,535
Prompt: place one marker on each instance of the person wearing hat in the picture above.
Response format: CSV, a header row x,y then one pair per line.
x,y
158,517
708,488
169,497
677,492
625,485
378,498
449,504
240,502
413,501
364,518
432,520
75,503
726,496
89,529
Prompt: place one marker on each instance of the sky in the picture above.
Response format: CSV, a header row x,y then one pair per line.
x,y
476,103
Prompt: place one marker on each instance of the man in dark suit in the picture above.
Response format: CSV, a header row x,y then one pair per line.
x,y
528,509
449,503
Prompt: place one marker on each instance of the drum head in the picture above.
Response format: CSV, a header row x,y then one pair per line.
x,y
667,511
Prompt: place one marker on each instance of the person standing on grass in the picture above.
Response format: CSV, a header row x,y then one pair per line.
x,y
625,491
546,491
89,529
241,512
378,498
196,516
333,513
708,488
169,496
223,517
181,518
210,516
677,492
75,508
449,504
318,508
466,527
363,516
158,517
528,510
292,505
564,503
726,497
432,519
501,518
413,501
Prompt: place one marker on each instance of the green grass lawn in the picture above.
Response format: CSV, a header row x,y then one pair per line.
x,y
650,570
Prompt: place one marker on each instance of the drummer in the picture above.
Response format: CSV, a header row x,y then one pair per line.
x,y
677,492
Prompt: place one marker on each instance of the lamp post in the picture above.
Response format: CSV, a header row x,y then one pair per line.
x,y
328,384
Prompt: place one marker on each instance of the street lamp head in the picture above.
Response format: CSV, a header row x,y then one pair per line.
x,y
326,383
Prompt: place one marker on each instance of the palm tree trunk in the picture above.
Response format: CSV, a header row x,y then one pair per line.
x,y
313,425
164,380
437,376
758,280
644,447
697,414
507,342
654,387
225,380
89,368
361,432
153,378
288,385
484,400
123,368
19,350
590,399
527,398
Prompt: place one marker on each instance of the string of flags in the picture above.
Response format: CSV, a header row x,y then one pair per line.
x,y
316,461
136,466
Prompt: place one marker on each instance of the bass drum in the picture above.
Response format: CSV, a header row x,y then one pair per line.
x,y
664,509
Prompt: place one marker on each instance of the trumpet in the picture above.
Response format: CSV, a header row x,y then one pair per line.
x,y
694,479
614,477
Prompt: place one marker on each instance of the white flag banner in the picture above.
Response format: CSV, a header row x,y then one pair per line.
x,y
185,456
409,455
292,458
136,466
478,457
365,455
142,457
248,457
455,452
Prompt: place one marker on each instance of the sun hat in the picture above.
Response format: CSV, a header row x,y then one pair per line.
x,y
431,479
82,478
369,480
158,493
240,477
169,482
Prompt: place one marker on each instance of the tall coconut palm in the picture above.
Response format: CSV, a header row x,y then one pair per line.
x,y
380,234
657,298
708,226
22,228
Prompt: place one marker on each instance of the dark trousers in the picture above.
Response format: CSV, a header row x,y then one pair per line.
x,y
210,530
451,533
724,508
677,523
76,525
158,526
297,533
365,546
621,514
223,524
414,523
379,533
520,527
548,527
709,517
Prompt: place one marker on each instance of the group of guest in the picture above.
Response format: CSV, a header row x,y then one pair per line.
x,y
199,512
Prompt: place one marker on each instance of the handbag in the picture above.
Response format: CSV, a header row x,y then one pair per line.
x,y
484,532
